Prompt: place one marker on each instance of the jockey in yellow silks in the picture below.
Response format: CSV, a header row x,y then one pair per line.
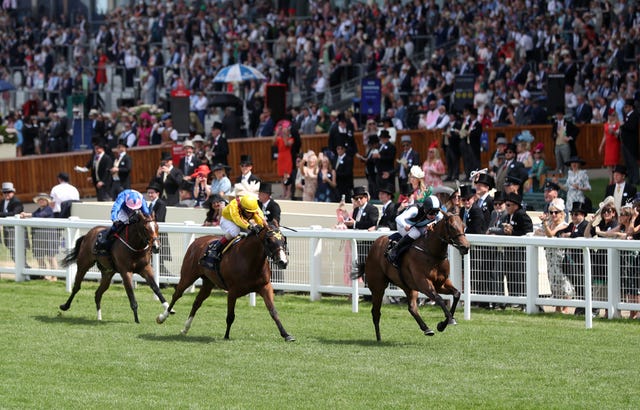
x,y
242,214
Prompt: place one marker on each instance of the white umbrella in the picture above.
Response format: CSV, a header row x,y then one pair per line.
x,y
238,73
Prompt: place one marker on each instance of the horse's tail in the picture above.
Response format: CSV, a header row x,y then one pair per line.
x,y
72,256
359,273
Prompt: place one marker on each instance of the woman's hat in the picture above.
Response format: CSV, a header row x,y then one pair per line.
x,y
219,166
466,191
8,187
513,198
197,138
360,191
202,169
42,195
416,172
575,159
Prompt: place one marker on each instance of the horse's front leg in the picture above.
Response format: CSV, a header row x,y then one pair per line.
x,y
204,293
412,304
105,282
231,312
147,274
128,286
448,289
267,295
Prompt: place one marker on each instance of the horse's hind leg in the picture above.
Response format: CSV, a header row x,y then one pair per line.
x,y
376,304
128,287
203,294
77,284
105,282
448,289
267,295
412,303
231,313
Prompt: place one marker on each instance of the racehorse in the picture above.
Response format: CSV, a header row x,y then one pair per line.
x,y
243,269
424,268
130,253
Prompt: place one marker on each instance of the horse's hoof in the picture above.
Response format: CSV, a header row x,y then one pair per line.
x,y
429,332
184,332
64,308
442,326
159,320
452,321
172,312
289,338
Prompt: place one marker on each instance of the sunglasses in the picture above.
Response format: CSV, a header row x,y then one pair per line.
x,y
554,212
608,211
508,205
498,203
576,213
358,198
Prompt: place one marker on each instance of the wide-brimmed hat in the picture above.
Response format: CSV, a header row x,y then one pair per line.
x,y
580,207
245,159
42,195
416,172
486,179
575,159
202,169
513,198
219,166
8,187
466,191
443,189
620,169
265,188
213,198
360,191
188,143
550,185
197,138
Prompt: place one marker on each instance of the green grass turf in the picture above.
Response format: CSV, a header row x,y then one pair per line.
x,y
496,360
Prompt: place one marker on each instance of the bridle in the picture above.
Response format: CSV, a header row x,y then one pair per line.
x,y
149,233
274,235
450,239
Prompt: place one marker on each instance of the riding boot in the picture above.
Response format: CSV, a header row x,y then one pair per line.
x,y
104,239
396,252
214,253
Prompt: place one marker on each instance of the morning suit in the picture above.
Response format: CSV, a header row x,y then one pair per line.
x,y
343,168
388,218
628,193
158,210
100,166
271,211
629,141
170,184
189,164
121,180
515,257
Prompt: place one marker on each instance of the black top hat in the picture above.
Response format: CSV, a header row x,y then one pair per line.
x,y
63,176
629,101
217,125
560,110
486,179
550,185
575,159
373,139
265,188
466,191
384,134
359,191
498,197
388,188
166,156
513,198
154,186
473,111
621,169
245,159
580,207
511,180
510,147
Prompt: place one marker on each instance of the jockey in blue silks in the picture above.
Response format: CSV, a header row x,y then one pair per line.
x,y
414,222
125,205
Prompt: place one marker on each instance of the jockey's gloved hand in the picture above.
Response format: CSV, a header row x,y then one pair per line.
x,y
134,218
255,228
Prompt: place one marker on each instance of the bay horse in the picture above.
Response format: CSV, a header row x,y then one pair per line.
x,y
243,269
130,253
424,268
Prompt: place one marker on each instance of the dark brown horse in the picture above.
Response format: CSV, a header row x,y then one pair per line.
x,y
424,268
130,253
244,268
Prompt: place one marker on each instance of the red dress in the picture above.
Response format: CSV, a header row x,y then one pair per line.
x,y
285,162
101,72
611,144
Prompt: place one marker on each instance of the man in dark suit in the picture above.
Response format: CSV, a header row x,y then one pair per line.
x,y
121,169
471,213
365,215
343,168
246,167
270,208
408,158
388,218
189,162
510,167
341,133
267,125
385,160
584,112
98,127
622,192
564,134
169,178
219,145
10,206
518,223
629,140
158,209
100,166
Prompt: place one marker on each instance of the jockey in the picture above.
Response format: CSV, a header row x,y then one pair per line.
x,y
415,221
241,215
125,205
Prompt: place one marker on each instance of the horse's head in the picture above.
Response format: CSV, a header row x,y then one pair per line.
x,y
149,232
453,233
275,244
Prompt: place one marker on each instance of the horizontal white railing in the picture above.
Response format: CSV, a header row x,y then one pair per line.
x,y
321,261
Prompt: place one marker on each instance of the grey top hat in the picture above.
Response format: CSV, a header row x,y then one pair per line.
x,y
8,187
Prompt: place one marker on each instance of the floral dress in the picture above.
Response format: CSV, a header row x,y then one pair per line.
x,y
561,287
429,178
581,178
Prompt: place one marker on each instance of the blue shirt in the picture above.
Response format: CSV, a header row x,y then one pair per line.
x,y
119,204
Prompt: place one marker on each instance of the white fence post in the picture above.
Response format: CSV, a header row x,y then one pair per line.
x,y
19,251
355,298
532,278
613,283
315,266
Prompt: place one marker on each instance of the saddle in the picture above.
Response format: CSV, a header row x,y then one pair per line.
x,y
214,264
393,240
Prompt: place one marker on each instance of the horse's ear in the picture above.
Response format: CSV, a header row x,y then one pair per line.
x,y
275,224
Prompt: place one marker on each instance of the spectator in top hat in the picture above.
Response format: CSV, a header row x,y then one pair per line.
x,y
343,170
158,209
189,162
551,190
270,208
219,145
121,169
517,223
484,183
388,217
370,169
169,178
629,140
470,213
564,134
246,167
385,160
621,191
365,214
10,206
342,134
408,158
99,166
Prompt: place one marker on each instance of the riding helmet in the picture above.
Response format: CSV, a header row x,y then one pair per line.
x,y
249,204
431,203
133,200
